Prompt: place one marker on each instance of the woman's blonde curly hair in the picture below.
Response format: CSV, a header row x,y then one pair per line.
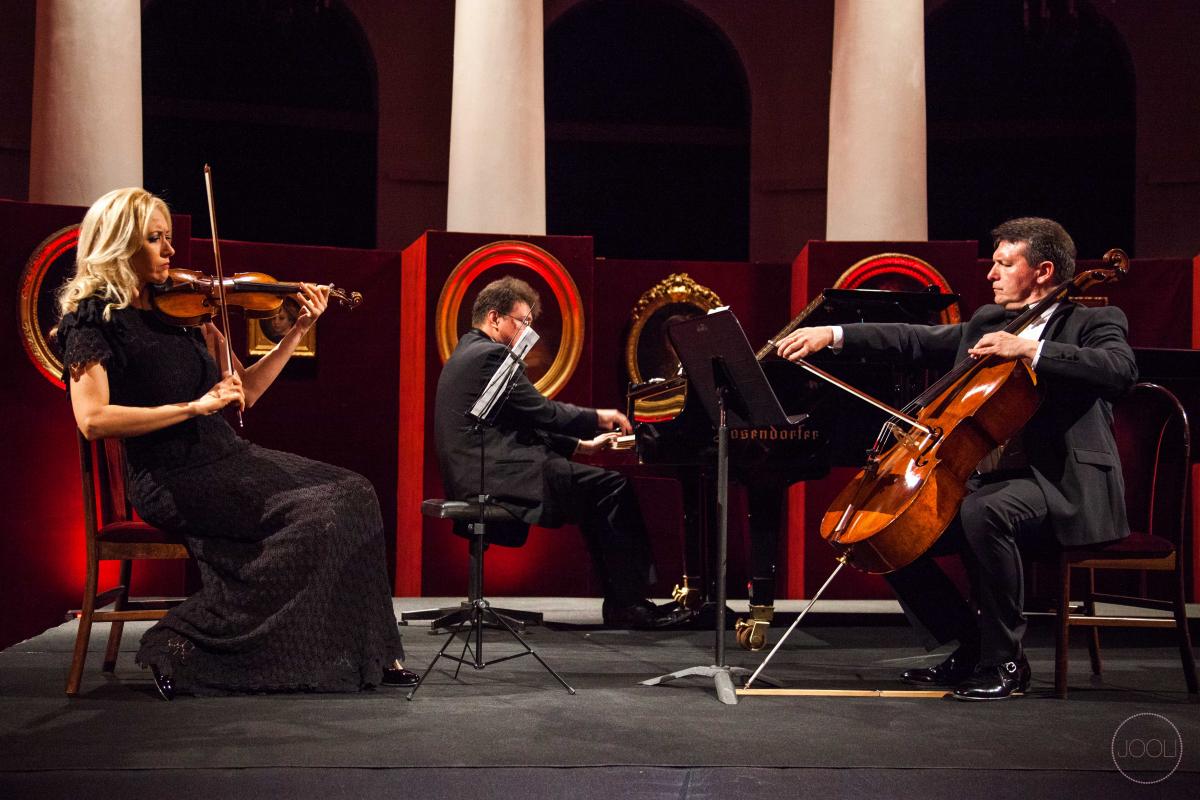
x,y
113,229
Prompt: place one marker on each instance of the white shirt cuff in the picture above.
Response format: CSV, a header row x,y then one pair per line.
x,y
1037,355
838,338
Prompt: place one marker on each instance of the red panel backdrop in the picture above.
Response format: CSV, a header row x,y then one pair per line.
x,y
342,406
41,538
339,406
431,560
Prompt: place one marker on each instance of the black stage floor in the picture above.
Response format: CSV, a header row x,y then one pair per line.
x,y
511,730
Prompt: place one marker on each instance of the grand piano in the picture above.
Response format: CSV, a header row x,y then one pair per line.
x,y
837,430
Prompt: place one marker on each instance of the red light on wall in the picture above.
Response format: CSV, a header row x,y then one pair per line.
x,y
898,272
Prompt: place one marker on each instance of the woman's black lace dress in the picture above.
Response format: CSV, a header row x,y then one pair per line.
x,y
295,594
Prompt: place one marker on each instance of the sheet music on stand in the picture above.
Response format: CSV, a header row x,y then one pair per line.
x,y
714,351
501,382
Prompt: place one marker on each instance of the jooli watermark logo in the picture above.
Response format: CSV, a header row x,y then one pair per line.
x,y
1147,748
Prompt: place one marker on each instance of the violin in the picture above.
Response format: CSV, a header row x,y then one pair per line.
x,y
189,297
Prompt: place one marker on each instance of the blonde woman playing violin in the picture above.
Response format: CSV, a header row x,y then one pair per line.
x,y
295,593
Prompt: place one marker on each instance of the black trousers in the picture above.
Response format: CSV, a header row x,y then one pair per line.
x,y
605,507
1002,513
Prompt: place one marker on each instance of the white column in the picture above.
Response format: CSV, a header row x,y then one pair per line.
x,y
877,144
497,180
86,137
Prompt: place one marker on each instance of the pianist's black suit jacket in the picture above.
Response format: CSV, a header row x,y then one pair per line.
x,y
1085,363
530,431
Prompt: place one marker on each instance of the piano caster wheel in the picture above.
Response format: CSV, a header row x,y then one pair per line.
x,y
687,596
752,633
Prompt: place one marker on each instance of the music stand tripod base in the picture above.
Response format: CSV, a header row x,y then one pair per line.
x,y
722,680
471,622
442,619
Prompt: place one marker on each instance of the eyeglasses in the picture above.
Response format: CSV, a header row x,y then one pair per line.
x,y
524,322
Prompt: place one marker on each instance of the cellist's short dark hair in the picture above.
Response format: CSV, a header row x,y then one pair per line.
x,y
501,295
1045,240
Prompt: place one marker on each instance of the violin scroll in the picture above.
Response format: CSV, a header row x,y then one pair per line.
x,y
1118,261
1116,267
351,300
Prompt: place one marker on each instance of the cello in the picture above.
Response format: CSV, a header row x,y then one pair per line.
x,y
904,498
907,495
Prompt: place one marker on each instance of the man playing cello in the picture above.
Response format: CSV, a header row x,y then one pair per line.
x,y
1058,480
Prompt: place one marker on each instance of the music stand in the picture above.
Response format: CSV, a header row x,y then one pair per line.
x,y
731,385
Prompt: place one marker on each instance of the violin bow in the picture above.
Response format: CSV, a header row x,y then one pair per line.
x,y
212,219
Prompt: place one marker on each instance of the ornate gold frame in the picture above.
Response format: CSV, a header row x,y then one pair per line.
x,y
32,278
506,253
257,343
677,288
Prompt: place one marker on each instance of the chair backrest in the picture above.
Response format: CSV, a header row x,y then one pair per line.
x,y
1154,441
102,472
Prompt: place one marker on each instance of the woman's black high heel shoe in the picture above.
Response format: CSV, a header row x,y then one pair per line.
x,y
164,684
397,675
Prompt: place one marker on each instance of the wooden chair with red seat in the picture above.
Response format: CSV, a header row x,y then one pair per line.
x,y
112,534
1153,439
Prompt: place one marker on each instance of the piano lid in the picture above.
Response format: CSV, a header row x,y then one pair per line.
x,y
878,305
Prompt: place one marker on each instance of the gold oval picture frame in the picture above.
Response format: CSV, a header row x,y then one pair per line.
x,y
503,255
646,318
881,269
33,279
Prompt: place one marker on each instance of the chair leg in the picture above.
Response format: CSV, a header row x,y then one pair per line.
x,y
1185,638
476,550
115,628
1062,634
1094,633
114,646
75,676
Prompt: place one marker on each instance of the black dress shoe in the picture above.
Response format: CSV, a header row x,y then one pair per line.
x,y
399,676
996,683
164,684
959,666
643,615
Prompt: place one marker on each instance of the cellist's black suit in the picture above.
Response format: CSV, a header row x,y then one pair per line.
x,y
527,466
1068,486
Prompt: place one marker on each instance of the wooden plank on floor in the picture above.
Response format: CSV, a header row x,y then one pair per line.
x,y
841,693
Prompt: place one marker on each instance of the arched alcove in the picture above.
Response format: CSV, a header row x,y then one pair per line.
x,y
279,96
1031,112
647,126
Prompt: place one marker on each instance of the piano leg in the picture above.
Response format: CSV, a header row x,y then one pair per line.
x,y
691,593
766,516
766,504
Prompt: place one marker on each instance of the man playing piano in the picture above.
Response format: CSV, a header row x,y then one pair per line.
x,y
528,450
1058,480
